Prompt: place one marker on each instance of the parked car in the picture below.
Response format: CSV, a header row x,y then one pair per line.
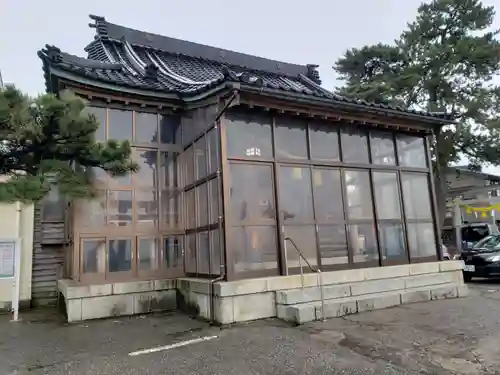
x,y
483,259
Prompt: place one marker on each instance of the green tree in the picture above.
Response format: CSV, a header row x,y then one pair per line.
x,y
445,61
49,140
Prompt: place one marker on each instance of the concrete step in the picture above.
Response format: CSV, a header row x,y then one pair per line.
x,y
336,307
333,291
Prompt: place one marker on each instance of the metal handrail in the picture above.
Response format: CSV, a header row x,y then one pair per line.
x,y
315,270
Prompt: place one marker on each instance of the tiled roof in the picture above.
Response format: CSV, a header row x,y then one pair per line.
x,y
135,59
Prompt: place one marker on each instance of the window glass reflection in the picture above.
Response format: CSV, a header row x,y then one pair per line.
x,y
411,151
213,200
120,125
169,162
359,195
291,138
363,243
147,175
120,255
200,158
53,205
304,237
254,248
190,211
188,159
191,253
328,205
203,253
421,240
146,127
382,148
416,196
147,207
387,198
251,192
94,255
93,211
332,244
100,116
170,129
170,203
392,244
119,212
354,146
249,135
147,249
201,199
295,194
212,153
172,252
324,140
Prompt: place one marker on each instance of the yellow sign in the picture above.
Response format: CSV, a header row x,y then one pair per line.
x,y
484,210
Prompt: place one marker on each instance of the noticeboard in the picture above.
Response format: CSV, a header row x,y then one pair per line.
x,y
7,258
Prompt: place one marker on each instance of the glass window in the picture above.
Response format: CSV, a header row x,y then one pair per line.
x,y
93,255
249,135
119,208
215,252
251,192
191,253
387,198
172,247
120,255
328,205
411,151
332,243
203,253
100,116
213,200
92,212
254,248
147,175
170,208
187,126
324,140
190,211
147,207
54,205
120,125
382,148
291,138
392,244
363,243
200,158
359,195
295,194
213,156
304,238
422,240
148,253
354,146
169,168
188,154
201,201
170,129
416,196
146,127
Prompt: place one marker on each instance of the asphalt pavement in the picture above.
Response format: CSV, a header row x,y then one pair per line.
x,y
460,336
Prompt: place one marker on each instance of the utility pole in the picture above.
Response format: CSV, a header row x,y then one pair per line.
x,y
1,81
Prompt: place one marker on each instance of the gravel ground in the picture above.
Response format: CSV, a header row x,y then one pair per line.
x,y
459,336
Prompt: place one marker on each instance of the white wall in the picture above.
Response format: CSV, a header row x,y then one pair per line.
x,y
8,229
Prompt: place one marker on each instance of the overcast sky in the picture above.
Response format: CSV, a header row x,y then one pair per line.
x,y
303,32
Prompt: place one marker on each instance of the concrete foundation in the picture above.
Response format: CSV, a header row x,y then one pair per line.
x,y
292,298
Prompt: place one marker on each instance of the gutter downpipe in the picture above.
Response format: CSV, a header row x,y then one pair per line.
x,y
220,205
17,264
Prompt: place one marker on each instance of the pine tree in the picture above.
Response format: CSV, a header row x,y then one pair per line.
x,y
445,61
49,140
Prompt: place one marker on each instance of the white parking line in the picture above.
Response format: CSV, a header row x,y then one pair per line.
x,y
172,346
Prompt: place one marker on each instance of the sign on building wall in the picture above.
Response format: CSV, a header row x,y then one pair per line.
x,y
7,258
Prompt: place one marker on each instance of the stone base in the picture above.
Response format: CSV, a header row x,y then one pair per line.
x,y
84,302
244,300
6,307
